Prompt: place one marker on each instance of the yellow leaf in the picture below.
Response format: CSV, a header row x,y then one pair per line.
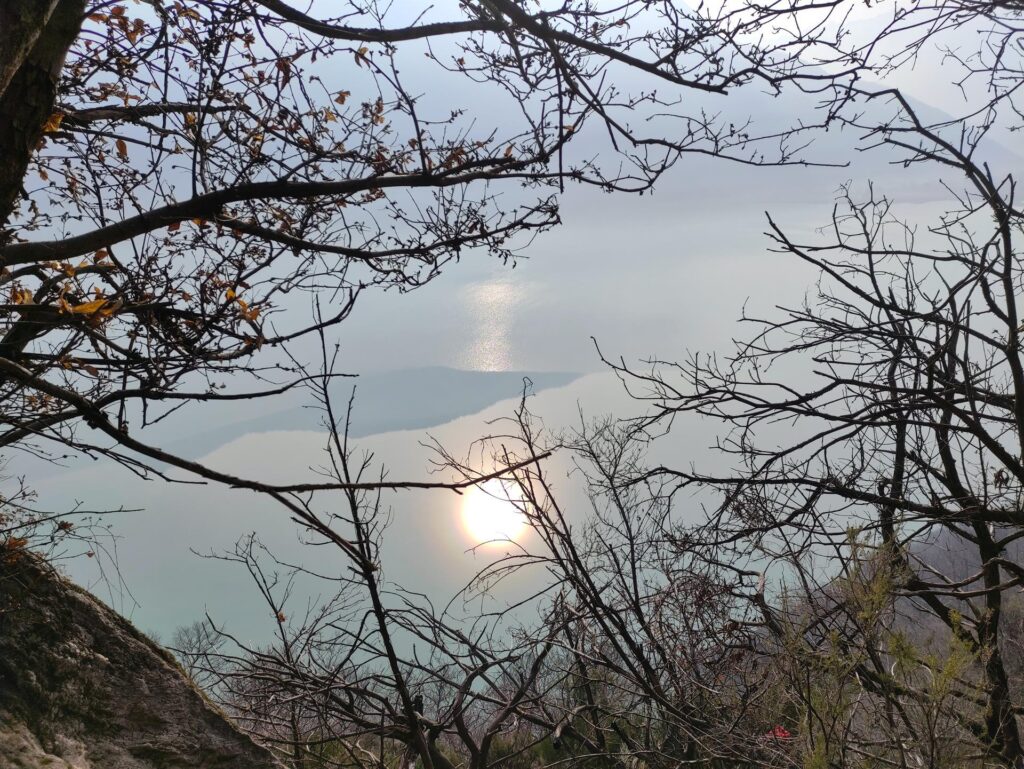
x,y
53,123
230,294
21,296
88,308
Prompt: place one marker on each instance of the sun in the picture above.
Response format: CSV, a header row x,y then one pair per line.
x,y
489,514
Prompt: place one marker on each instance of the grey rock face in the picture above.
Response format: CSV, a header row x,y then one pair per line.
x,y
80,688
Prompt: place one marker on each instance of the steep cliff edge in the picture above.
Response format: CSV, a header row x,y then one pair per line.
x,y
80,688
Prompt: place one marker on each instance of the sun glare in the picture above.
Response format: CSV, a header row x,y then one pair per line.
x,y
490,516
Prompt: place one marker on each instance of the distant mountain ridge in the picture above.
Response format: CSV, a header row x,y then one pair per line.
x,y
406,399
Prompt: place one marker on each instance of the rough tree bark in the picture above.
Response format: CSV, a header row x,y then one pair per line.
x,y
34,41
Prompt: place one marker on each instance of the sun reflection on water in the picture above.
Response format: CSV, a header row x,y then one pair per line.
x,y
490,515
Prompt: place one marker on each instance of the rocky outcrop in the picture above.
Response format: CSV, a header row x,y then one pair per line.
x,y
81,688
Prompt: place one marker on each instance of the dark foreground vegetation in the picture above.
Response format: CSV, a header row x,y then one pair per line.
x,y
194,194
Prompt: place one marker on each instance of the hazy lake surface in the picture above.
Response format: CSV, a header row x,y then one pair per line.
x,y
651,276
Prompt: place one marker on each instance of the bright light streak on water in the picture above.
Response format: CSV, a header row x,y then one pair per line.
x,y
492,305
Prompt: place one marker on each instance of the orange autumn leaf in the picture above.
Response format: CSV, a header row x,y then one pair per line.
x,y
247,312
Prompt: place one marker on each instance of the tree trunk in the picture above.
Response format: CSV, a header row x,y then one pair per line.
x,y
21,21
34,40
